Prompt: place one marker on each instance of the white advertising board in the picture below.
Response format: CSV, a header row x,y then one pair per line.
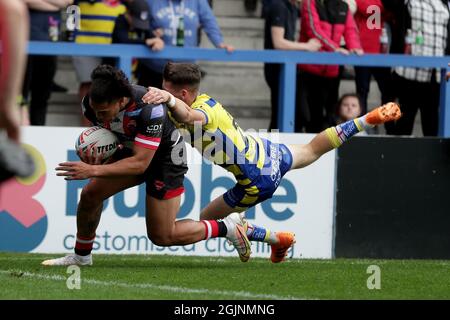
x,y
39,214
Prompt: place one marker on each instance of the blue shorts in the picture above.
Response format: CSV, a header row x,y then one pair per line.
x,y
277,163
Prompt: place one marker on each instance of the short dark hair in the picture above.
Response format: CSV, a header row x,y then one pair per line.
x,y
182,74
109,84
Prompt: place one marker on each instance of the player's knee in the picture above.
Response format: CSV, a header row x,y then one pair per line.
x,y
90,197
160,239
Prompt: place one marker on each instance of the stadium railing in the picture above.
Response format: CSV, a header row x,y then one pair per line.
x,y
288,60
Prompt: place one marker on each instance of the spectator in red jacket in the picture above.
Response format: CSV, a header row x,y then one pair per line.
x,y
280,34
370,36
328,22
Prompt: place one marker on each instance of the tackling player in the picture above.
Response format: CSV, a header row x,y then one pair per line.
x,y
115,104
258,164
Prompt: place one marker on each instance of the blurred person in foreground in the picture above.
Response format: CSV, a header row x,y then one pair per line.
x,y
257,164
13,36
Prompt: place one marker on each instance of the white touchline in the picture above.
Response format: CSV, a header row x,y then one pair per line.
x,y
243,294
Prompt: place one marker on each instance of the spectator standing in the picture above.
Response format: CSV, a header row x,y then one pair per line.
x,y
44,26
333,92
266,8
279,33
134,27
425,25
328,21
97,24
371,37
177,22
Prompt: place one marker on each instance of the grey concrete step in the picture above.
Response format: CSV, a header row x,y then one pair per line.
x,y
64,102
234,8
242,33
242,81
65,75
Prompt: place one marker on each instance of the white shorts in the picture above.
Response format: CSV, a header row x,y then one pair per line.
x,y
84,67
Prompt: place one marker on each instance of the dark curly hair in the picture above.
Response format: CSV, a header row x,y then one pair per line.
x,y
109,84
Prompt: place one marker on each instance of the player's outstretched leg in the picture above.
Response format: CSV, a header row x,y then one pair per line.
x,y
280,241
334,137
341,133
164,230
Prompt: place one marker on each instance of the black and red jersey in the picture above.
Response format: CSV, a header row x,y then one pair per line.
x,y
143,124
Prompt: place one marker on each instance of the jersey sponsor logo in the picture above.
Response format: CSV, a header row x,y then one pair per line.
x,y
159,184
157,112
349,129
134,113
211,102
154,128
276,158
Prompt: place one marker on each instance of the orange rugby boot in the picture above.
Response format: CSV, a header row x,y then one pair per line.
x,y
385,113
279,250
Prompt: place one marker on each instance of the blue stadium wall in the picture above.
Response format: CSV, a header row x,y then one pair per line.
x,y
393,198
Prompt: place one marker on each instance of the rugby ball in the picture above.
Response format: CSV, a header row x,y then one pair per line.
x,y
97,139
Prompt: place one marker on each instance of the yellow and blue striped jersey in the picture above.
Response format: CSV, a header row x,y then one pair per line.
x,y
223,142
97,20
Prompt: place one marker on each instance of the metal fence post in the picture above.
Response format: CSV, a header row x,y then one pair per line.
x,y
125,63
444,108
286,116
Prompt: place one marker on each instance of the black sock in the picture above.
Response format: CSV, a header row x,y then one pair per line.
x,y
222,229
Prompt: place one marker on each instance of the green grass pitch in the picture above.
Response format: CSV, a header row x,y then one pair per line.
x,y
184,277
